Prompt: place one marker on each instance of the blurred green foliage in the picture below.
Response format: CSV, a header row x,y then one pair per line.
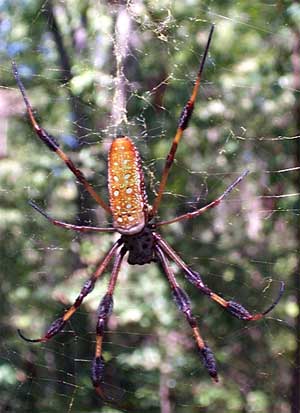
x,y
243,119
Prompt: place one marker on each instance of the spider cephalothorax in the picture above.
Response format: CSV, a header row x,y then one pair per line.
x,y
140,247
134,220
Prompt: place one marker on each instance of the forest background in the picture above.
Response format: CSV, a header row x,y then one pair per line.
x,y
89,67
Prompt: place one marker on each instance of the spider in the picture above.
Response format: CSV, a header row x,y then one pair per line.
x,y
135,220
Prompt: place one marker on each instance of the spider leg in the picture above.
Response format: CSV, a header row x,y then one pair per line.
x,y
234,308
51,143
182,125
88,286
79,228
104,311
212,204
184,305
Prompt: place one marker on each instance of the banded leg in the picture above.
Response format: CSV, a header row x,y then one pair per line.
x,y
104,311
234,308
88,287
51,143
183,303
212,204
79,228
182,125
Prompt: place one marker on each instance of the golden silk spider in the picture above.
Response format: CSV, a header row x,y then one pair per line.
x,y
135,220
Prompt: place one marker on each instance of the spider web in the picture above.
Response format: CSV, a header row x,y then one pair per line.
x,y
132,72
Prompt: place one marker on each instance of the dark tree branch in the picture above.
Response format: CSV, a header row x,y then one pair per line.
x,y
65,60
77,108
295,388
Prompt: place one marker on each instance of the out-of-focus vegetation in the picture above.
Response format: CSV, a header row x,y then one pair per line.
x,y
247,116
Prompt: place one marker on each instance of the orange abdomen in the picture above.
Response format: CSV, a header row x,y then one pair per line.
x,y
127,196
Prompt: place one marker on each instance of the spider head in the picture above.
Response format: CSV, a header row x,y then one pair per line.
x,y
140,247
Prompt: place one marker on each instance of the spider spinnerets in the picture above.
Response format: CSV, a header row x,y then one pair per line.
x,y
135,220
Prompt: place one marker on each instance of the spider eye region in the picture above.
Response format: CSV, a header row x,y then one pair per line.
x,y
126,187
